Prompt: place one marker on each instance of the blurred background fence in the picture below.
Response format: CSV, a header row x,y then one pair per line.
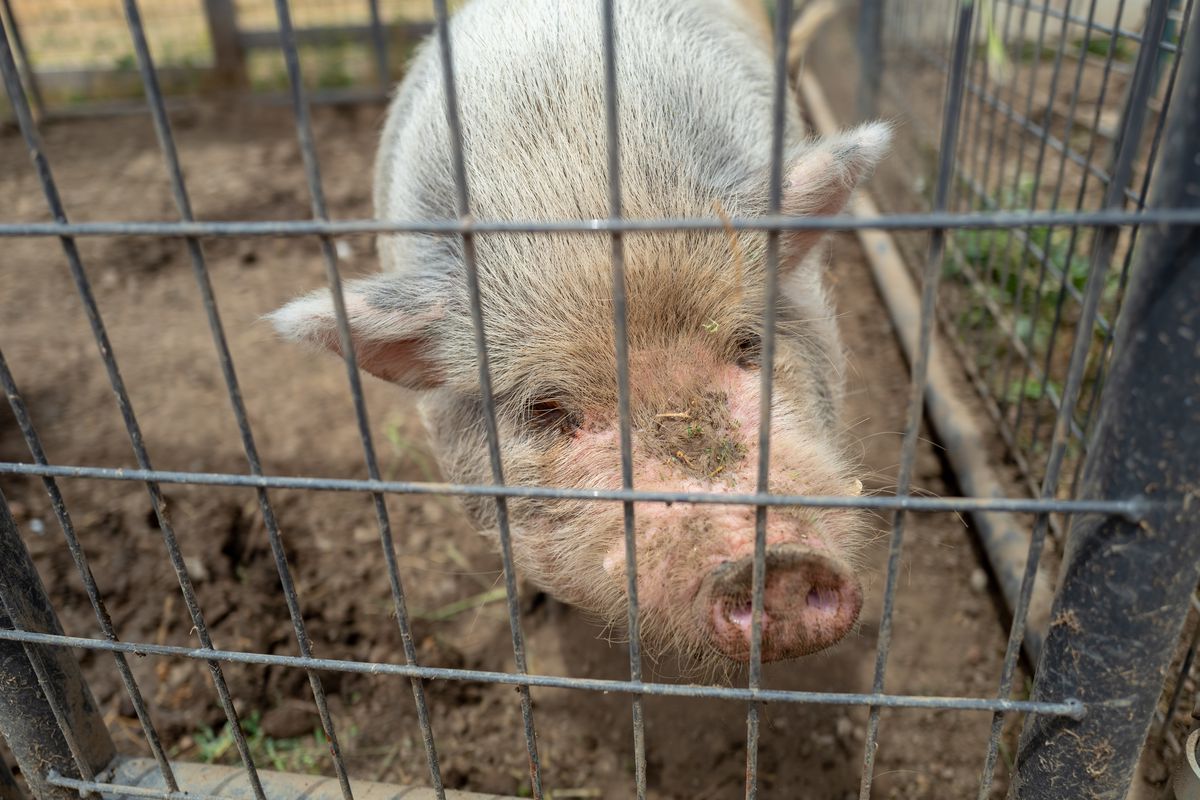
x,y
78,57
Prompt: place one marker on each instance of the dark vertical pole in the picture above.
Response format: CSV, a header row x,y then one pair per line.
x,y
229,58
45,733
379,44
1126,585
31,82
868,40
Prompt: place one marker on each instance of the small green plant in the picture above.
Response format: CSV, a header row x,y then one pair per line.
x,y
1099,45
1029,389
332,69
1022,269
300,754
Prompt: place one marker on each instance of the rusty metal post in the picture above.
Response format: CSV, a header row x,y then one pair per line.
x,y
1126,585
229,56
47,714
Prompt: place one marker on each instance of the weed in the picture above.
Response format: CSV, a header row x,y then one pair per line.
x,y
300,754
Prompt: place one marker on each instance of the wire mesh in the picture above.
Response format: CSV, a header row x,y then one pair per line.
x,y
1048,89
1001,249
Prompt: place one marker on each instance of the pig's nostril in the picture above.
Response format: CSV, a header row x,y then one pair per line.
x,y
823,599
740,613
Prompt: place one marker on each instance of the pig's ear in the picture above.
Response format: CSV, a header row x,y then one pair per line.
x,y
822,177
393,323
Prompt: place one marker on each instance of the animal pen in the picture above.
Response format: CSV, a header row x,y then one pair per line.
x,y
1043,195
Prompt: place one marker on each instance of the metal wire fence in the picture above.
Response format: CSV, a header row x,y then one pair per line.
x,y
1096,334
78,58
1047,89
1067,105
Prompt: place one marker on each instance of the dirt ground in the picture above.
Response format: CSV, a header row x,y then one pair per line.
x,y
949,636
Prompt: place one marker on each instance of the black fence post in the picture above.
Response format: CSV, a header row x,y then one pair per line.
x,y
1126,585
48,716
868,41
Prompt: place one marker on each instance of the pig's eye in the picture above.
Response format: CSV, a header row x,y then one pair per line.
x,y
749,350
553,416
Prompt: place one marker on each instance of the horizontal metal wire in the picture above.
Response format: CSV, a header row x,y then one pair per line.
x,y
313,227
55,779
1068,707
1134,509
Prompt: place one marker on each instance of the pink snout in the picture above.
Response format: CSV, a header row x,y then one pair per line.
x,y
809,603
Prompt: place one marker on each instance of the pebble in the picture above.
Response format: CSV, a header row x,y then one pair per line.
x,y
196,568
844,728
978,581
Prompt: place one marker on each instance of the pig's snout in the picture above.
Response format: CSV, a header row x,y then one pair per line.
x,y
809,603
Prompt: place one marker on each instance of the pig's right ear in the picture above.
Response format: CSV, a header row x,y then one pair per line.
x,y
820,180
393,322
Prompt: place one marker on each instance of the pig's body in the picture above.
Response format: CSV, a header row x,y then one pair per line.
x,y
695,86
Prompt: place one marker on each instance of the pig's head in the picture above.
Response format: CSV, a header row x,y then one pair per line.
x,y
695,312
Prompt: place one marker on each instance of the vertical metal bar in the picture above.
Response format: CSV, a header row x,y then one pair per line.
x,y
379,44
229,57
1125,148
1043,266
18,44
1123,151
612,119
166,140
25,424
868,41
1024,250
1126,584
982,341
970,147
929,284
783,25
1151,162
312,172
1000,391
993,122
100,334
453,122
47,713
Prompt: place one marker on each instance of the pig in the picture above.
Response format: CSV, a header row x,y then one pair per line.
x,y
695,81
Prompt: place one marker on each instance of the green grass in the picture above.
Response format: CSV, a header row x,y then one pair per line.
x,y
1099,44
303,754
998,266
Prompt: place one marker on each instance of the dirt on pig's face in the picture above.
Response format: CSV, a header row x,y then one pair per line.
x,y
695,383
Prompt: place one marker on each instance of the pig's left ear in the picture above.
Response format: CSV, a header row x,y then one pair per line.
x,y
821,178
393,324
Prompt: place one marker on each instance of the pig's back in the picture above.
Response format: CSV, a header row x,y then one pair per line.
x,y
694,80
